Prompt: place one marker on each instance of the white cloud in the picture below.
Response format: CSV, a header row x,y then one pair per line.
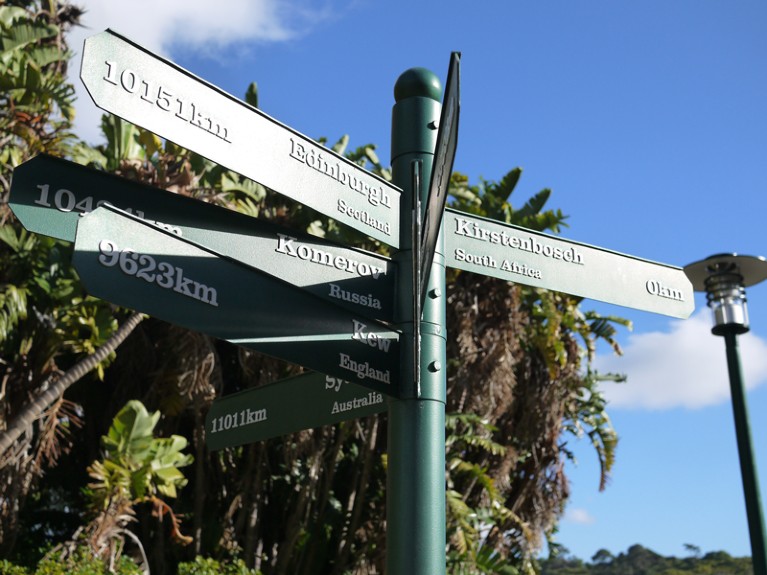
x,y
684,367
201,26
579,516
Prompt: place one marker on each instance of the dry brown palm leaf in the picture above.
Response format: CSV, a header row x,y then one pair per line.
x,y
56,431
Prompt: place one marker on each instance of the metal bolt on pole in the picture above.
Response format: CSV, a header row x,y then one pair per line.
x,y
724,278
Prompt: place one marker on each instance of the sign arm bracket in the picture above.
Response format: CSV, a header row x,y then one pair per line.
x,y
416,166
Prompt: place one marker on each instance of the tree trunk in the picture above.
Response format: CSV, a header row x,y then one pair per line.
x,y
34,410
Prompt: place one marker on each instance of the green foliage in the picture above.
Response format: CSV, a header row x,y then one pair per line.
x,y
207,566
123,141
251,94
486,561
81,562
36,102
639,560
493,200
13,307
587,415
8,568
136,465
522,343
468,524
37,269
136,468
467,432
44,312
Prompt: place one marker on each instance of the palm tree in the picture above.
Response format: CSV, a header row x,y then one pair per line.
x,y
519,361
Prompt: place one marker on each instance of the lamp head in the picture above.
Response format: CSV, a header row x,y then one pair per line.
x,y
724,278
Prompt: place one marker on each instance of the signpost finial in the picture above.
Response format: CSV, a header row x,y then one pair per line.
x,y
417,82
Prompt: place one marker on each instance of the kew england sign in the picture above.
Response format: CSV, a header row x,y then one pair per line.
x,y
370,327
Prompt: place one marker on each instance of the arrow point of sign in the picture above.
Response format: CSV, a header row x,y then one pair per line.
x,y
86,69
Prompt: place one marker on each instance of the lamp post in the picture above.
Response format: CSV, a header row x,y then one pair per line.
x,y
724,278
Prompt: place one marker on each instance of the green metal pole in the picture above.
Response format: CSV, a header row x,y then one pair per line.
x,y
746,454
415,508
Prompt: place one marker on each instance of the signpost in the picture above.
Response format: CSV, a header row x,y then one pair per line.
x,y
302,402
138,265
303,299
524,256
149,91
50,196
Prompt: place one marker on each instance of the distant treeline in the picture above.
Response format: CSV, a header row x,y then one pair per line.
x,y
639,560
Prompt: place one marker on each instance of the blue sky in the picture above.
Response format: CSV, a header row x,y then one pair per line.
x,y
648,121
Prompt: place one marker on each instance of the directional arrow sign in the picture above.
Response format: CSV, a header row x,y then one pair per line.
x,y
523,256
50,196
444,155
134,264
144,89
301,402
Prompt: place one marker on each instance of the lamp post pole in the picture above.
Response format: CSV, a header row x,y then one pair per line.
x,y
724,278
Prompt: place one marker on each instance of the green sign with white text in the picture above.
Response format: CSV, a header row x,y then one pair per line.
x,y
302,402
50,195
138,265
147,90
528,257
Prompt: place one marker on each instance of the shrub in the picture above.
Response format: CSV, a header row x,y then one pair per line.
x,y
205,566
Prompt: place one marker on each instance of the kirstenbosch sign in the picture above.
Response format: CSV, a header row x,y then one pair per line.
x,y
138,265
302,402
527,257
144,89
50,195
